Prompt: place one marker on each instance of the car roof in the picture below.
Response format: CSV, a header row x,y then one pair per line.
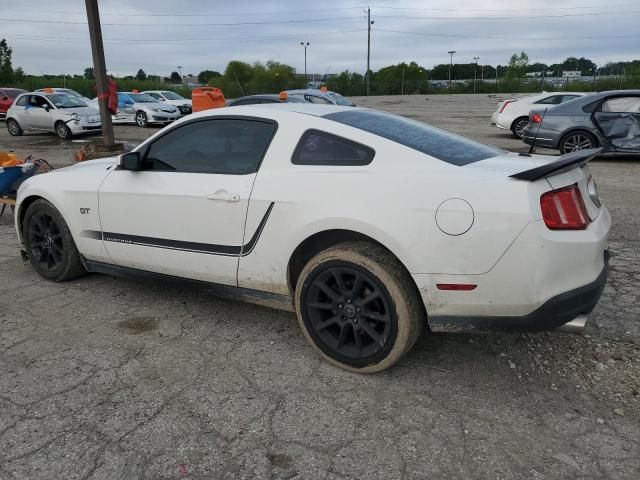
x,y
311,91
269,109
266,96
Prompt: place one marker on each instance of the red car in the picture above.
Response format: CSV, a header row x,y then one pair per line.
x,y
7,96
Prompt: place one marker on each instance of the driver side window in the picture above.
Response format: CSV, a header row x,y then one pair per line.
x,y
224,146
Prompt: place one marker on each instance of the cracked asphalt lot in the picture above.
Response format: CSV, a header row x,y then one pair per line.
x,y
104,378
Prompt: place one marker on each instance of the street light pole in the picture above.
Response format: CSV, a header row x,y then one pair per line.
x,y
305,45
450,52
369,23
180,73
475,73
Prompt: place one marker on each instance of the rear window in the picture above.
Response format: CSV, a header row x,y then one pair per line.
x,y
440,144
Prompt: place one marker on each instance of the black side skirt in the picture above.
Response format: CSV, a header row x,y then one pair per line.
x,y
266,299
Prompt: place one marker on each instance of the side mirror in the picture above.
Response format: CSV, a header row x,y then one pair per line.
x,y
46,107
131,161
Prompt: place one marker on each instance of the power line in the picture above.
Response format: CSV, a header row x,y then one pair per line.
x,y
272,22
184,40
280,12
505,9
494,37
528,17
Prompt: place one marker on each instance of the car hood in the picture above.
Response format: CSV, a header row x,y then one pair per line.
x,y
177,103
84,111
160,105
511,163
97,164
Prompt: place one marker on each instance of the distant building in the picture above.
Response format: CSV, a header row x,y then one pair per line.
x,y
571,73
539,74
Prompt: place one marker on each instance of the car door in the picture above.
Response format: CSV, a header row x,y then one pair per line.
x,y
184,213
38,112
618,118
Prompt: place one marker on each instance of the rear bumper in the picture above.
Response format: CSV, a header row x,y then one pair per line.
x,y
554,313
498,120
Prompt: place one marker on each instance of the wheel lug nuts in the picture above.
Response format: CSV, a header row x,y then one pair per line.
x,y
339,305
348,300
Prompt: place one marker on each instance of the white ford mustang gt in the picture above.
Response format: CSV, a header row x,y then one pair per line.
x,y
369,225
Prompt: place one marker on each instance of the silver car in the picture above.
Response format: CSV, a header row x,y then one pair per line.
x,y
323,97
606,119
63,114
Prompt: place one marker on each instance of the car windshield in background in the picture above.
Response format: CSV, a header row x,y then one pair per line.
x,y
340,100
172,96
73,93
62,100
13,92
141,97
443,145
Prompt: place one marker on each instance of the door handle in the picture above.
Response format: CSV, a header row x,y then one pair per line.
x,y
224,196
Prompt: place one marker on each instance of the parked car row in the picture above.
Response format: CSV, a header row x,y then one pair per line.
x,y
68,113
573,121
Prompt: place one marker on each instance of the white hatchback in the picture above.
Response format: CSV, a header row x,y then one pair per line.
x,y
64,114
370,226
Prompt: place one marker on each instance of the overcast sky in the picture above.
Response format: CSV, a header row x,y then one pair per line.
x,y
159,35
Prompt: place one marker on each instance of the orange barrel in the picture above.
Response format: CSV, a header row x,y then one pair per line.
x,y
204,98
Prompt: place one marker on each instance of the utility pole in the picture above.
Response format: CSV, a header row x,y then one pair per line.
x,y
450,52
305,45
100,71
180,73
402,86
475,73
369,23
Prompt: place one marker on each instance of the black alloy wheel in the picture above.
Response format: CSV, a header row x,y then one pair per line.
x,y
49,244
45,241
350,314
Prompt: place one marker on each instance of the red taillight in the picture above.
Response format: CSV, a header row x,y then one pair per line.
x,y
535,118
504,105
564,209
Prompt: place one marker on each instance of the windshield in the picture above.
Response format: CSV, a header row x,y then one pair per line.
x,y
172,96
440,144
73,93
340,100
141,97
63,100
12,92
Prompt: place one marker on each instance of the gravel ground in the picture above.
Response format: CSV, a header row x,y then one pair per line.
x,y
107,378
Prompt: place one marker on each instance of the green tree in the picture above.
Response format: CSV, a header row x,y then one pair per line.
x,y
6,69
141,75
175,77
89,74
517,65
206,75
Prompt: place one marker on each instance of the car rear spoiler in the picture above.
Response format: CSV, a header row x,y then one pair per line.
x,y
565,162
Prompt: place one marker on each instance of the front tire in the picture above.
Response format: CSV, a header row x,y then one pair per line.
x,y
14,128
141,119
358,307
49,244
517,129
575,141
63,130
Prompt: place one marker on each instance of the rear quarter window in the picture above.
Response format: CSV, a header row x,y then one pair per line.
x,y
437,143
321,148
22,101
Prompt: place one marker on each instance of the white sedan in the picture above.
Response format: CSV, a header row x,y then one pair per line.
x,y
172,98
371,226
63,114
513,114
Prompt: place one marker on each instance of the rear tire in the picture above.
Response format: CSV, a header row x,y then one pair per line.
x,y
49,244
63,130
141,119
518,126
575,141
14,128
358,307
